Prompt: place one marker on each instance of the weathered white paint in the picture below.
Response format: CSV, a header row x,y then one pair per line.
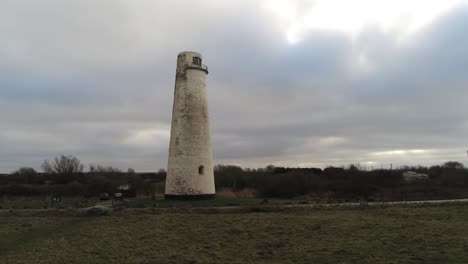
x,y
190,144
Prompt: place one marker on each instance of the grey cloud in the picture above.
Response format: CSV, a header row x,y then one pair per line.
x,y
85,80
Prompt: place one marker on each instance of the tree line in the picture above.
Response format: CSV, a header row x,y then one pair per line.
x,y
66,175
351,183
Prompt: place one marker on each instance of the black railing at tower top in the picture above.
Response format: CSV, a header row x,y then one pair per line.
x,y
202,67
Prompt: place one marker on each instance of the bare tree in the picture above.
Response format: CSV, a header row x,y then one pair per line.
x,y
64,167
27,174
103,169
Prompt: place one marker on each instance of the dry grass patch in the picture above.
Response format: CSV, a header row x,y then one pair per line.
x,y
426,234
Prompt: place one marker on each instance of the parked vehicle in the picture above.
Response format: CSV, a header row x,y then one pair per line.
x,y
118,196
104,196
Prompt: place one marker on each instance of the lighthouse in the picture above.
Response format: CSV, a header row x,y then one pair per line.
x,y
190,169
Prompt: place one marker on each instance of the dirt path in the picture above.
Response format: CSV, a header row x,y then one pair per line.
x,y
108,204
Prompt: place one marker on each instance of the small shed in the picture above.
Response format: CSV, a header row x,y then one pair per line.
x,y
127,191
412,176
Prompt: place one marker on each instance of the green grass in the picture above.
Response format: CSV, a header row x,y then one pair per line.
x,y
400,234
143,202
42,202
219,201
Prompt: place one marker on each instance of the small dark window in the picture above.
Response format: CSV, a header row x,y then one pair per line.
x,y
196,61
201,170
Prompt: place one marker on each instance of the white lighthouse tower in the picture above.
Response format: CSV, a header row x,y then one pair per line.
x,y
190,169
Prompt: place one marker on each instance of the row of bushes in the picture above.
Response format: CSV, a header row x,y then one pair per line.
x,y
89,184
14,189
449,180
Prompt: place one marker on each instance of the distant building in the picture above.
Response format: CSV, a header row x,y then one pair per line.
x,y
127,191
411,176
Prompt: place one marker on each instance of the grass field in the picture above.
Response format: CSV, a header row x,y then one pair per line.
x,y
399,234
219,201
141,202
43,202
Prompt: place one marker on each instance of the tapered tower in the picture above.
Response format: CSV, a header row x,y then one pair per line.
x,y
190,169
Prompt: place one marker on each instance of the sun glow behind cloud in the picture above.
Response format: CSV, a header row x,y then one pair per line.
x,y
351,17
402,152
149,137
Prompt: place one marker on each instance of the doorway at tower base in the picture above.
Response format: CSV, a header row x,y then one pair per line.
x,y
190,197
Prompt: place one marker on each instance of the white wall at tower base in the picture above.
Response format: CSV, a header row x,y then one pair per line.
x,y
190,169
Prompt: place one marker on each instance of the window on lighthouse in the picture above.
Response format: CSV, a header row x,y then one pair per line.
x,y
201,170
197,61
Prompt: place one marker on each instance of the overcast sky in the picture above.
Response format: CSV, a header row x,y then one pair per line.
x,y
292,83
